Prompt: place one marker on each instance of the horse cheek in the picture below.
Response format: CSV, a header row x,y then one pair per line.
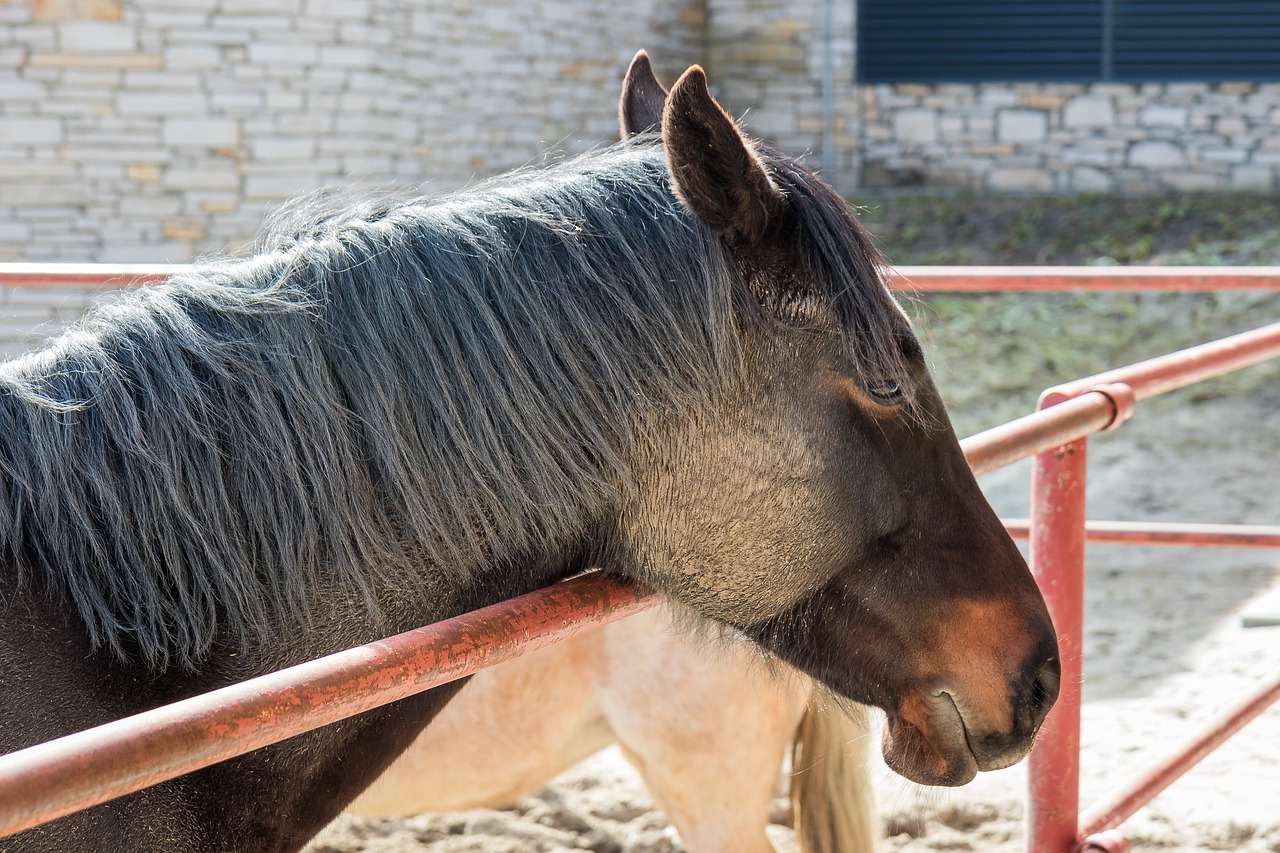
x,y
746,524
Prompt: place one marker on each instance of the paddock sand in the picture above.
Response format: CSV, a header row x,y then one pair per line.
x,y
1164,649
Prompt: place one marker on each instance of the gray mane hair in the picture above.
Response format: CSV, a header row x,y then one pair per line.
x,y
388,387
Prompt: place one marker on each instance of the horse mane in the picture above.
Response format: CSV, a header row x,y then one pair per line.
x,y
388,386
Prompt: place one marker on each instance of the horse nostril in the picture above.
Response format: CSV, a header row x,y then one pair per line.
x,y
1044,689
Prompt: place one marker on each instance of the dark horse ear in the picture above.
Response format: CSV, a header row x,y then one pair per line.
x,y
640,107
715,170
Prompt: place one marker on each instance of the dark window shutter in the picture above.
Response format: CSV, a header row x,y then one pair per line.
x,y
1202,40
940,41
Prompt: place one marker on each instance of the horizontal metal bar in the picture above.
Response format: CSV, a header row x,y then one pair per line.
x,y
1157,533
1040,431
85,275
62,776
931,279
1119,806
1185,367
978,279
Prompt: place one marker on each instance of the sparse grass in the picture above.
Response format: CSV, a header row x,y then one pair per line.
x,y
972,229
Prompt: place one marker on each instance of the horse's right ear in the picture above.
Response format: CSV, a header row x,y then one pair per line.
x,y
643,97
715,170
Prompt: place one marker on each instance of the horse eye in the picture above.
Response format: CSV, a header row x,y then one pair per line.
x,y
887,393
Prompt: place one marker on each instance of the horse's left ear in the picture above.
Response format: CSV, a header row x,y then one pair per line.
x,y
643,97
715,170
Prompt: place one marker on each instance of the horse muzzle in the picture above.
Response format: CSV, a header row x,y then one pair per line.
x,y
943,735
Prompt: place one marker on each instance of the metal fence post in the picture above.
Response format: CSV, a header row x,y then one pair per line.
x,y
1057,560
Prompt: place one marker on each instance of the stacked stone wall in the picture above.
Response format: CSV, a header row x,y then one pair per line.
x,y
158,130
1104,137
766,60
30,315
766,57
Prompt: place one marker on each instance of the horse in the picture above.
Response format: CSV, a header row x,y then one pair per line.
x,y
674,357
683,707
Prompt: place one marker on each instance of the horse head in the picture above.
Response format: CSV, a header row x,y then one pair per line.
x,y
824,506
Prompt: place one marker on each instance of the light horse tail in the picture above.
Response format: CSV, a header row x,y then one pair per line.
x,y
831,795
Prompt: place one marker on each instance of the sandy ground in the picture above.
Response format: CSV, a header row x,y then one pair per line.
x,y
1164,650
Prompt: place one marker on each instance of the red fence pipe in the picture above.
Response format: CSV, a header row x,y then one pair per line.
x,y
1057,560
1011,442
1118,807
934,279
1049,278
85,275
366,676
1157,533
1185,367
53,779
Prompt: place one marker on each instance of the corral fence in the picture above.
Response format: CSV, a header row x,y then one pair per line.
x,y
53,779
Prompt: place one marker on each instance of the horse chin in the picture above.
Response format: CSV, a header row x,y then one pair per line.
x,y
925,741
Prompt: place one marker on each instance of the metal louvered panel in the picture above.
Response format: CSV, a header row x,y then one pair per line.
x,y
1197,40
908,41
969,41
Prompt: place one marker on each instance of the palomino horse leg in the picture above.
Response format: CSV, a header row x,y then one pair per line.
x,y
706,725
509,730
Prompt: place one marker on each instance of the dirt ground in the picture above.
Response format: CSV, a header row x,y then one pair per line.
x,y
1164,644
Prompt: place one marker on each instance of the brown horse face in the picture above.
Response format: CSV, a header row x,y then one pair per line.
x,y
840,528
934,616
851,539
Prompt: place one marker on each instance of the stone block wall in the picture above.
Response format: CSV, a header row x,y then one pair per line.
x,y
1066,138
30,315
158,130
765,59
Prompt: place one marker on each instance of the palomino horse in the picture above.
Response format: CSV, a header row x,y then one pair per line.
x,y
675,358
705,721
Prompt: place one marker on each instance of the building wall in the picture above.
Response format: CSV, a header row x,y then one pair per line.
x,y
30,315
765,58
157,130
1104,137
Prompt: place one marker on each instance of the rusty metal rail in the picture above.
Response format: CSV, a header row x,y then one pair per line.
x,y
1158,533
936,279
1048,279
53,779
80,770
85,275
1058,533
1112,810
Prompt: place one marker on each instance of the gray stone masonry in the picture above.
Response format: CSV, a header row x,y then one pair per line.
x,y
765,60
29,315
1100,138
159,130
